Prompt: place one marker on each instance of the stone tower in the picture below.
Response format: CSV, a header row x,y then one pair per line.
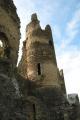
x,y
37,91
9,32
39,61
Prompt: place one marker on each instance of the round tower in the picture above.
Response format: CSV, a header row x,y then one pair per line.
x,y
9,31
40,56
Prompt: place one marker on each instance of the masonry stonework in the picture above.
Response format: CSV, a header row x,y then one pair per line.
x,y
40,54
35,90
9,27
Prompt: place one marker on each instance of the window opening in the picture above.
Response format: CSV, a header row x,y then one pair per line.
x,y
1,43
50,43
1,49
39,69
5,49
34,111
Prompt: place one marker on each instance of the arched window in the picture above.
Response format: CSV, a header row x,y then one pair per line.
x,y
4,46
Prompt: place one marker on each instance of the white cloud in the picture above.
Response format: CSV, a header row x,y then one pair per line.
x,y
70,62
71,29
68,55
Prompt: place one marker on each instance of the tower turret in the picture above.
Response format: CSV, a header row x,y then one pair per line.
x,y
40,59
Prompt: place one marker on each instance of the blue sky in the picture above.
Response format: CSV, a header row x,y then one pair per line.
x,y
64,18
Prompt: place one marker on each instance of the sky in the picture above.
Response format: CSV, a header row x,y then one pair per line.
x,y
64,18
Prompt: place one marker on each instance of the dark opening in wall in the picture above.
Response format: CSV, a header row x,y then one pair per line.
x,y
4,46
39,68
50,43
34,111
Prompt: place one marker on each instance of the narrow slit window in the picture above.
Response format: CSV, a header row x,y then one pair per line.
x,y
50,43
34,110
39,69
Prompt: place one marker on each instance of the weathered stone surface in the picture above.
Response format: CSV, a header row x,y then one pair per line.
x,y
10,28
38,51
45,90
36,89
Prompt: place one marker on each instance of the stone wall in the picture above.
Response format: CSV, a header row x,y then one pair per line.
x,y
35,90
10,26
39,55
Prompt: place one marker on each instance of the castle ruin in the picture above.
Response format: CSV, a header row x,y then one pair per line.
x,y
35,90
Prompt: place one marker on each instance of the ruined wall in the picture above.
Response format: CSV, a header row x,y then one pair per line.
x,y
22,67
9,26
22,98
62,81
